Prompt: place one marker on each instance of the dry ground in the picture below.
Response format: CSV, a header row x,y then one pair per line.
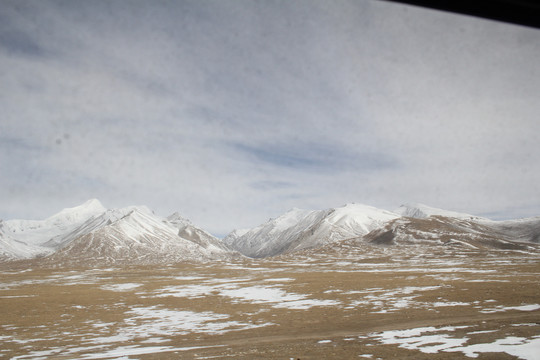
x,y
342,304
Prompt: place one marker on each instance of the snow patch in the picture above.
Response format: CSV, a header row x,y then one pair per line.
x,y
121,287
431,340
531,307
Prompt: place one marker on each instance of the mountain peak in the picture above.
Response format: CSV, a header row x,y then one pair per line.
x,y
420,211
89,208
92,203
176,216
178,220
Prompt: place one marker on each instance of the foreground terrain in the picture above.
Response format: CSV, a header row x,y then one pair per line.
x,y
345,302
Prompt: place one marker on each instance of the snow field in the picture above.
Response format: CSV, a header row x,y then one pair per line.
x,y
432,340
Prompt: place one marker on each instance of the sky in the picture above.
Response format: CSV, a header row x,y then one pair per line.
x,y
231,112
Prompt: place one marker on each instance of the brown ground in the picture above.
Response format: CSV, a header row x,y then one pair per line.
x,y
74,313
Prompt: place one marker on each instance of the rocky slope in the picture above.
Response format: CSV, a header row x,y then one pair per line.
x,y
447,231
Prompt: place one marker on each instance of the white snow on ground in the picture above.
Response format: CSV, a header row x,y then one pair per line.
x,y
432,340
129,350
413,339
449,303
385,301
482,332
190,291
279,279
43,354
152,321
523,348
227,280
530,307
305,304
121,287
258,294
386,269
261,294
189,278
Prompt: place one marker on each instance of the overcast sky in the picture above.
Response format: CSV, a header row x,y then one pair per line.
x,y
231,112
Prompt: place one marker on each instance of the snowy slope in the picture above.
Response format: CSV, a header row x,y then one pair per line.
x,y
273,236
95,223
451,231
234,235
186,230
138,237
359,224
520,230
302,229
28,238
90,233
524,230
12,249
37,232
420,211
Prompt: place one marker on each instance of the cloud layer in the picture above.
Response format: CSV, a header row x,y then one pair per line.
x,y
234,111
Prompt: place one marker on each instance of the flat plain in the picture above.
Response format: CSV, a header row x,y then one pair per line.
x,y
347,302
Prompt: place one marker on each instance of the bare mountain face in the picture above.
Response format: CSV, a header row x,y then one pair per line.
x,y
446,231
409,225
89,234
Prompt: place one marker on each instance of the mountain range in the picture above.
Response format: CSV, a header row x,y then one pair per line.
x,y
91,234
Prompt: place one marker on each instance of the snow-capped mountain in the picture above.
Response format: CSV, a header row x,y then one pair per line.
x,y
138,237
11,248
36,232
420,211
89,233
451,231
95,223
187,230
28,238
361,224
303,229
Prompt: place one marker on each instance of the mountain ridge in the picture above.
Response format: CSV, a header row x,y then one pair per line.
x,y
409,224
90,233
